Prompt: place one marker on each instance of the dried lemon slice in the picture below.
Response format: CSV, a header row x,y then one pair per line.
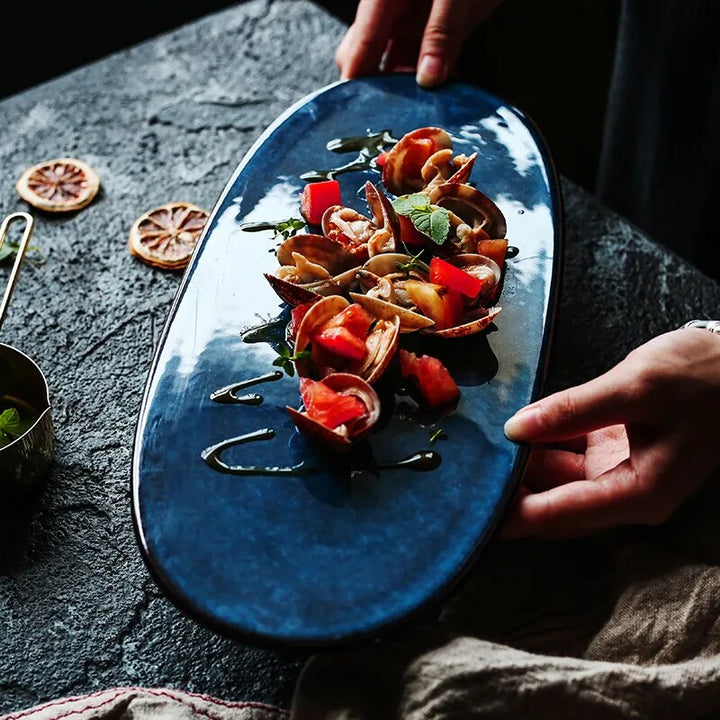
x,y
166,235
60,185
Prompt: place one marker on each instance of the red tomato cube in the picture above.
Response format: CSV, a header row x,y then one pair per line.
x,y
317,197
328,407
443,273
430,378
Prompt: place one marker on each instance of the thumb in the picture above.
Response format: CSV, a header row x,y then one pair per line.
x,y
606,400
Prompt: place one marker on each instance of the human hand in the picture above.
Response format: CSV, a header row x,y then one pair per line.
x,y
404,35
625,448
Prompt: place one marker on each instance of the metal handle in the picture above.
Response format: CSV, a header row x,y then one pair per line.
x,y
29,224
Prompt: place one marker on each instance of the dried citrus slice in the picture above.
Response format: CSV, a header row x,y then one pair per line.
x,y
166,235
60,185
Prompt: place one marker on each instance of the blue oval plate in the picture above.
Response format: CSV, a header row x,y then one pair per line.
x,y
333,551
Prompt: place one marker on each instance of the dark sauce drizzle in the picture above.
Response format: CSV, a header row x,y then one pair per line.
x,y
212,456
227,395
368,147
512,251
423,461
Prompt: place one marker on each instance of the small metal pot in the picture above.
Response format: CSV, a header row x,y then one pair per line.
x,y
25,461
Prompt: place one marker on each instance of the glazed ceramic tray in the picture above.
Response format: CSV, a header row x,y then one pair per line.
x,y
333,550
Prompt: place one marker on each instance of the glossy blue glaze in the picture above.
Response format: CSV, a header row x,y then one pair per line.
x,y
330,556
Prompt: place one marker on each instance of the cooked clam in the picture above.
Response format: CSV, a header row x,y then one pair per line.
x,y
349,227
442,167
481,267
387,235
380,343
312,266
471,212
402,172
358,424
472,323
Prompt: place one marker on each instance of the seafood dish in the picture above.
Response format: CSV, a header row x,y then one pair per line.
x,y
427,260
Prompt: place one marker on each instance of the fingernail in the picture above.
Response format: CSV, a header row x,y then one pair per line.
x,y
523,423
431,70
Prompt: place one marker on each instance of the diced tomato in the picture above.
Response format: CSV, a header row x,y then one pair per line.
x,y
409,234
494,249
441,304
380,159
328,407
429,377
341,342
418,151
443,273
355,318
296,316
317,197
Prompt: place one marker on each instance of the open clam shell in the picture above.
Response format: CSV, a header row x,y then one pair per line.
x,y
410,321
441,167
341,438
402,171
483,268
387,235
381,342
319,250
388,263
474,322
324,267
292,293
471,206
347,226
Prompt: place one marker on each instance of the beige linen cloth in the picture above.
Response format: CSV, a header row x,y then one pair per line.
x,y
624,624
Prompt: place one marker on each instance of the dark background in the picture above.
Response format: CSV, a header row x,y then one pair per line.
x,y
552,59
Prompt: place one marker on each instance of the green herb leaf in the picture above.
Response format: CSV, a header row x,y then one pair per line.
x,y
439,225
405,204
286,359
421,220
10,422
288,228
10,249
432,221
414,263
283,229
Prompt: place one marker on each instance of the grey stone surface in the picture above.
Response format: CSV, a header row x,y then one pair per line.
x,y
169,120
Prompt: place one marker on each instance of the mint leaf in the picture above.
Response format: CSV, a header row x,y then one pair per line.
x,y
432,221
439,225
421,220
405,204
10,422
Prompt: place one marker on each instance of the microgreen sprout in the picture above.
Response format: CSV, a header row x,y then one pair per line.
x,y
414,263
286,359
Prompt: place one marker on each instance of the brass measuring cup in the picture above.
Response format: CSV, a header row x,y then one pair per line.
x,y
25,459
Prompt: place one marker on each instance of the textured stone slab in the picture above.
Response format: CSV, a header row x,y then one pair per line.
x,y
169,120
